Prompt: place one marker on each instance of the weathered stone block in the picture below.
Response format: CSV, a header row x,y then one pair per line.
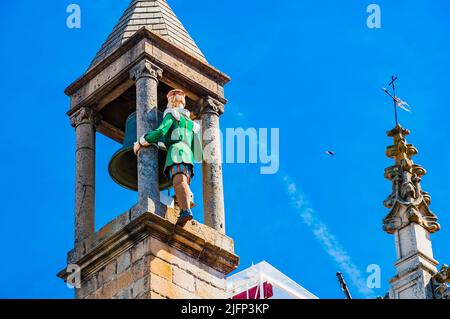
x,y
169,254
206,291
139,269
154,295
183,279
123,262
139,288
90,285
123,294
161,268
113,287
138,252
182,261
107,273
168,290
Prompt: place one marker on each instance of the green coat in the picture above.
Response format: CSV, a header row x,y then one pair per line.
x,y
181,138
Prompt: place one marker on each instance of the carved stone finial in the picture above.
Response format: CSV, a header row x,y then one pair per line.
x,y
85,115
401,151
211,106
408,202
145,68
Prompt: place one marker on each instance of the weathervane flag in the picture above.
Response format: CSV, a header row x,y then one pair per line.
x,y
398,102
402,104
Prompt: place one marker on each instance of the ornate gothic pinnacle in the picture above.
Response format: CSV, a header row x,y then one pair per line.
x,y
442,281
408,202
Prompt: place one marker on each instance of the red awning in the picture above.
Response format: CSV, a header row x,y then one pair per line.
x,y
254,293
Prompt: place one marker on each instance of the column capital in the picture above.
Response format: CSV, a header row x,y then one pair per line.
x,y
145,68
209,105
85,115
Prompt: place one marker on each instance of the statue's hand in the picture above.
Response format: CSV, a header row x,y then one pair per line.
x,y
137,147
142,142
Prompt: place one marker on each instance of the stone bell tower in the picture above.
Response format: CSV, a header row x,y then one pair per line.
x,y
411,221
142,253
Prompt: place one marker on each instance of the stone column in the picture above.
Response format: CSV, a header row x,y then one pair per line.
x,y
146,76
84,122
213,200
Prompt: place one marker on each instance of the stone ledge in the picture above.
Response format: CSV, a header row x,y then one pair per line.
x,y
411,272
195,240
416,259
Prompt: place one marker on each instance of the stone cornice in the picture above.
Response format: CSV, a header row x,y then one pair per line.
x,y
139,35
197,241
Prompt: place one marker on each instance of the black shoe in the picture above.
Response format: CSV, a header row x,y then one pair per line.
x,y
185,217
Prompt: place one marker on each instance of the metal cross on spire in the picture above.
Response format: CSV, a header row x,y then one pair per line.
x,y
397,101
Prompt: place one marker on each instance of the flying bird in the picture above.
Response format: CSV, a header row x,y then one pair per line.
x,y
331,153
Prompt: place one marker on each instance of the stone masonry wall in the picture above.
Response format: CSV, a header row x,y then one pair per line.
x,y
152,269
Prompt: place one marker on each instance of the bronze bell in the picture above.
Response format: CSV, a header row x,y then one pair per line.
x,y
123,164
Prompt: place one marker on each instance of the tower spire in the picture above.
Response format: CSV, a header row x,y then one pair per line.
x,y
155,15
410,220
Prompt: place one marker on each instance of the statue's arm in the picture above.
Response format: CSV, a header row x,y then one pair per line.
x,y
162,130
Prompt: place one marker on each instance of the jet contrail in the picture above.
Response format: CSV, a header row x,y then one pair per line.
x,y
321,232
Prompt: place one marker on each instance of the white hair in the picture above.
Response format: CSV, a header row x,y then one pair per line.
x,y
176,101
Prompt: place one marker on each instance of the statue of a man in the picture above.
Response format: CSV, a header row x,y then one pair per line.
x,y
179,134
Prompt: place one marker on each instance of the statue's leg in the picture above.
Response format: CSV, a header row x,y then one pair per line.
x,y
183,195
182,191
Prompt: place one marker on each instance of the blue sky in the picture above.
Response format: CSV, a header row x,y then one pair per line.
x,y
310,68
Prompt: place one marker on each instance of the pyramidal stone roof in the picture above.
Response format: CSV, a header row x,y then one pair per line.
x,y
157,16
